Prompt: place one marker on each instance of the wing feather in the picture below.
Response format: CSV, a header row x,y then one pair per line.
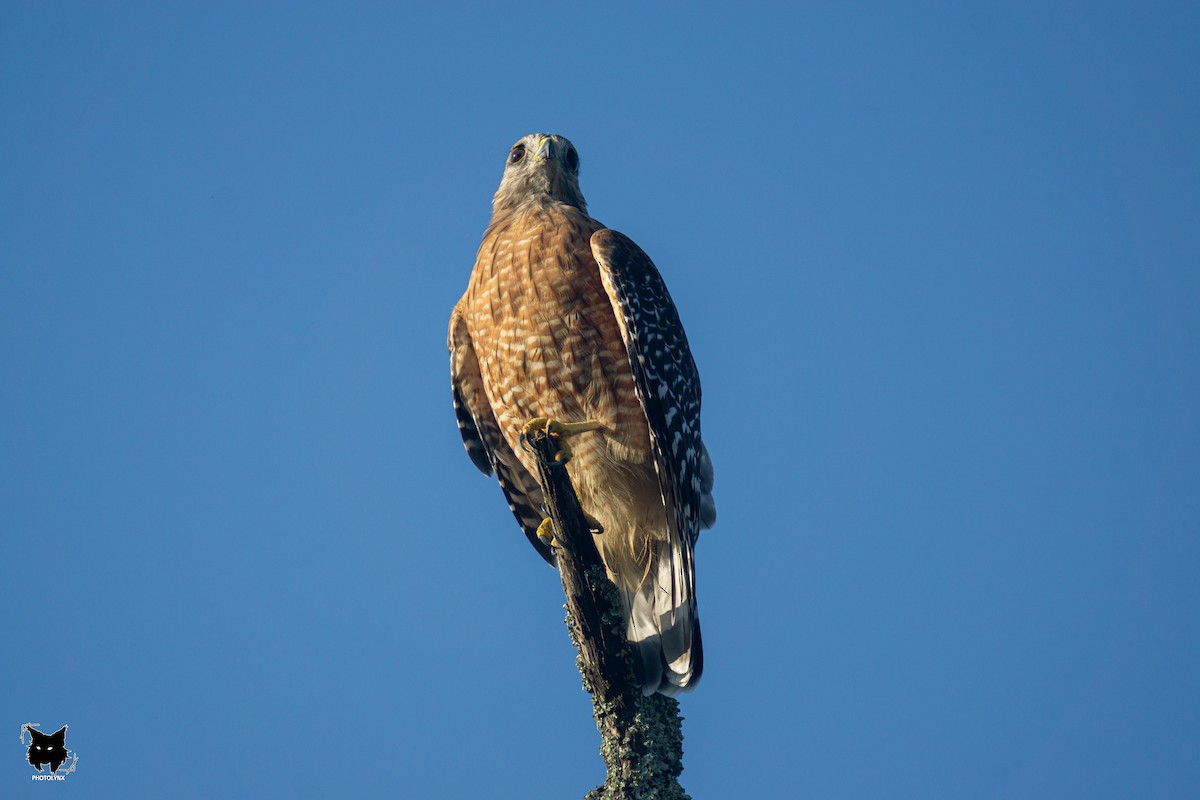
x,y
668,386
485,444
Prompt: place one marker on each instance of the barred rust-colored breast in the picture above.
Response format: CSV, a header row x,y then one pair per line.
x,y
544,331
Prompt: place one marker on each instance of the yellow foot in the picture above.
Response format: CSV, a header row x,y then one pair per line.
x,y
545,531
559,431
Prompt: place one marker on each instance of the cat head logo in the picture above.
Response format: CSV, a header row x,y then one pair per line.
x,y
48,749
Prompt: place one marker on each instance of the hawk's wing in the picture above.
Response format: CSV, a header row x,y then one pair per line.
x,y
485,444
668,386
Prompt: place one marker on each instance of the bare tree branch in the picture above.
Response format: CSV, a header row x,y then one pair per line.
x,y
641,738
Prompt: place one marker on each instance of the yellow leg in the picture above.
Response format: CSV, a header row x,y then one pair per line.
x,y
559,431
545,531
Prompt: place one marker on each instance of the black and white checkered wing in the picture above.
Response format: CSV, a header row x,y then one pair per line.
x,y
667,381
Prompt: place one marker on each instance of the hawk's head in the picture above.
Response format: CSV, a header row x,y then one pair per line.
x,y
540,166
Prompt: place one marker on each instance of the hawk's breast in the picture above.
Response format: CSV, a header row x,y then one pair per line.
x,y
544,331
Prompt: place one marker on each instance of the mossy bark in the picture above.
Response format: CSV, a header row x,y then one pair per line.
x,y
641,738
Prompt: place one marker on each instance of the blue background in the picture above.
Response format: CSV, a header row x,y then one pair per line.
x,y
938,265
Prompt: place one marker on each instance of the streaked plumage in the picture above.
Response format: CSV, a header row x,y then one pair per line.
x,y
563,318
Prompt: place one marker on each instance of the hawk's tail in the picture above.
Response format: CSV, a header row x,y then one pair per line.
x,y
664,626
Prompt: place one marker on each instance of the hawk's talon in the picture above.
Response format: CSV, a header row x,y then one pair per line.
x,y
560,432
545,532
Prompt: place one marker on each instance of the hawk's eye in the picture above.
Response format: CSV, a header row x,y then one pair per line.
x,y
517,154
572,160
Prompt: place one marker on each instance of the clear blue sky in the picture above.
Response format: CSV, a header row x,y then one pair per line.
x,y
939,268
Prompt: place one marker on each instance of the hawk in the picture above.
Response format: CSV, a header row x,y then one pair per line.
x,y
569,324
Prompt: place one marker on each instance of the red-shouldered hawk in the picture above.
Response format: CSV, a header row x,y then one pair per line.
x,y
568,320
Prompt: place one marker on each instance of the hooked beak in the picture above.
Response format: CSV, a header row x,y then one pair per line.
x,y
545,149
